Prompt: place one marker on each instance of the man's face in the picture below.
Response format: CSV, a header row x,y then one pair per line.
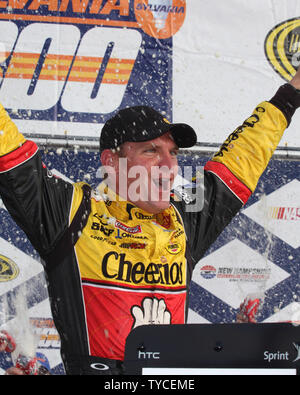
x,y
149,169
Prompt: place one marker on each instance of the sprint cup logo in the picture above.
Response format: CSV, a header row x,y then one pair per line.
x,y
8,269
282,48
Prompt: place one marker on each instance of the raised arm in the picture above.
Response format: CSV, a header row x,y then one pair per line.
x,y
232,174
38,202
295,81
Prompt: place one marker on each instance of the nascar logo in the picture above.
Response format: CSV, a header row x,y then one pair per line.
x,y
284,213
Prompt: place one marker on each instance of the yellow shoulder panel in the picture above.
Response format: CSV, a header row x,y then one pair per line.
x,y
10,137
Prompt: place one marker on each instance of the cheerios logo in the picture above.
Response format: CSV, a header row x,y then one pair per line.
x,y
282,47
8,269
160,18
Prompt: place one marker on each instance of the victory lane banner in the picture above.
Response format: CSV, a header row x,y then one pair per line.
x,y
66,66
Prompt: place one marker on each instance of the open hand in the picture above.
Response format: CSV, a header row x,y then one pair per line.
x,y
152,311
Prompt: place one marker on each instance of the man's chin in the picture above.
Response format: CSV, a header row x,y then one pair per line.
x,y
161,206
153,207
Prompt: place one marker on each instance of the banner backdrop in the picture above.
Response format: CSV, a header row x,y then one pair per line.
x,y
66,66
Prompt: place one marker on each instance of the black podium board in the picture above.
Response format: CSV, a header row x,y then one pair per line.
x,y
195,349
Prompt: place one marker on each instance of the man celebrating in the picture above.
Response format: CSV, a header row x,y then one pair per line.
x,y
123,255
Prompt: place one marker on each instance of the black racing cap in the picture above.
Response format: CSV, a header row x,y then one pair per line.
x,y
143,123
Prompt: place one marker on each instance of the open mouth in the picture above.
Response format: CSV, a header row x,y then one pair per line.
x,y
162,183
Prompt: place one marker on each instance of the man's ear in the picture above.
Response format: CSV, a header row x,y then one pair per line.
x,y
110,158
110,162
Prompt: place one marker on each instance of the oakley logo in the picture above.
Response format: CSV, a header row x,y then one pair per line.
x,y
99,366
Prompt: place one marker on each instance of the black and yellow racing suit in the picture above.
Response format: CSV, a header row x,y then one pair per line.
x,y
111,266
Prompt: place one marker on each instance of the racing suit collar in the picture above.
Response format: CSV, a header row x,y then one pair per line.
x,y
126,211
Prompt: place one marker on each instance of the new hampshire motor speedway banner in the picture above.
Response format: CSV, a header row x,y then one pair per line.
x,y
66,66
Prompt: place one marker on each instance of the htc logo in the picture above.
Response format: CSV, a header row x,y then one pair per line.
x,y
148,355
